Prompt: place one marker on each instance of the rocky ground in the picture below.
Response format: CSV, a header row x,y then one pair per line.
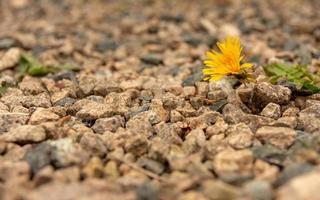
x,y
136,121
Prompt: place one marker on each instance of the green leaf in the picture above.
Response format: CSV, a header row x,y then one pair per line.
x,y
3,90
31,66
68,67
41,70
296,74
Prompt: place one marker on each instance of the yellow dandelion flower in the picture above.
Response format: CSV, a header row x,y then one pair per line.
x,y
228,62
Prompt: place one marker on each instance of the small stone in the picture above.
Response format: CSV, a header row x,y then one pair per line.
x,y
265,93
59,95
10,120
218,128
292,171
217,95
158,149
269,153
151,165
14,172
43,115
93,144
111,169
65,102
10,58
94,110
39,156
108,124
189,91
258,190
105,87
232,114
204,120
24,134
229,29
152,59
30,85
229,161
291,112
66,153
39,100
157,107
219,190
45,175
245,94
309,118
290,122
141,123
215,145
6,43
192,79
239,136
94,168
147,191
202,88
168,133
67,175
106,45
281,137
137,145
265,171
175,116
20,109
192,195
271,110
301,188
197,102
194,141
87,84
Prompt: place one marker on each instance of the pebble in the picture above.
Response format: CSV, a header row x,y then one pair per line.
x,y
94,110
24,134
10,120
141,123
271,110
30,85
301,187
93,169
219,190
258,190
137,145
219,127
309,118
194,141
102,125
292,171
265,93
39,156
269,153
41,115
239,136
93,144
281,137
265,171
168,133
229,161
151,165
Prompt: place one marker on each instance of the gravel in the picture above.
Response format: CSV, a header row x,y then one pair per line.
x,y
136,120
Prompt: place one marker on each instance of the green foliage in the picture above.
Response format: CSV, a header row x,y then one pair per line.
x,y
31,66
296,74
3,90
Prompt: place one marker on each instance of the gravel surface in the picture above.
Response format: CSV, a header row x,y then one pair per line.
x,y
134,118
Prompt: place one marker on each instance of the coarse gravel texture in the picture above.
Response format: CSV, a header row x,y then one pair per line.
x,y
137,121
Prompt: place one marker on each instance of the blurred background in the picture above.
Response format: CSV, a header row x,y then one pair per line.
x,y
118,29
